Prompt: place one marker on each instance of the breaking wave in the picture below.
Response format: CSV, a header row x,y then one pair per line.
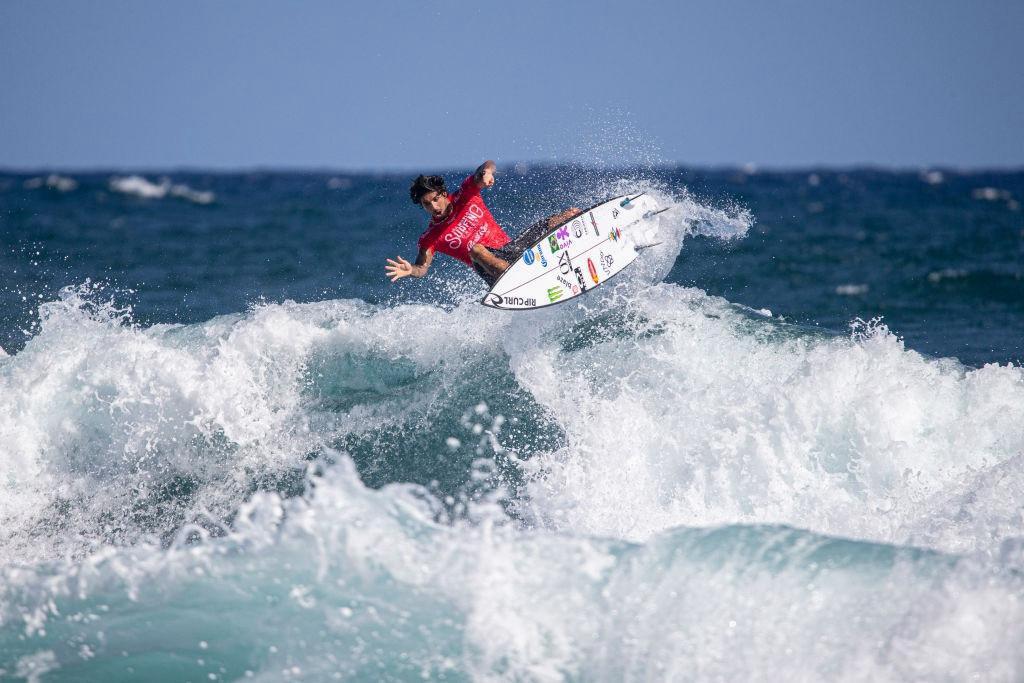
x,y
651,483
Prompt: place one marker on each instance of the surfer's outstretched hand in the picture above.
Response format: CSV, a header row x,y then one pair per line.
x,y
484,175
398,269
487,178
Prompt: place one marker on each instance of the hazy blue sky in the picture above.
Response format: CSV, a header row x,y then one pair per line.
x,y
436,84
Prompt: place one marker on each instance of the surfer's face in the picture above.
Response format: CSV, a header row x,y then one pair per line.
x,y
435,203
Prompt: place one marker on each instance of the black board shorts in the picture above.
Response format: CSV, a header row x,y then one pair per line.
x,y
514,249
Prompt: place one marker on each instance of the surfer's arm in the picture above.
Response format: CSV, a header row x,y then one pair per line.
x,y
489,261
484,175
397,269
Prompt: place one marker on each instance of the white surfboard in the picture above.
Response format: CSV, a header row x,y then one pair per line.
x,y
575,256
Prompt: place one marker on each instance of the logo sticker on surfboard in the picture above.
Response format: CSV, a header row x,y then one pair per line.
x,y
563,237
593,271
579,278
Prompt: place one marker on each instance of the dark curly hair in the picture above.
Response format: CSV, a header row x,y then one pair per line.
x,y
425,184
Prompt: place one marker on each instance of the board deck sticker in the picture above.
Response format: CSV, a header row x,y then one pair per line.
x,y
574,257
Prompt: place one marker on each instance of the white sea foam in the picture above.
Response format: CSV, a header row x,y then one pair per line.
x,y
138,186
716,416
720,419
356,583
97,414
195,196
61,183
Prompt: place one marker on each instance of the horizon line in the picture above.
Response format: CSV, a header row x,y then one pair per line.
x,y
749,168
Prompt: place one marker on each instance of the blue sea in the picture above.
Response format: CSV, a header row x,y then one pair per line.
x,y
787,443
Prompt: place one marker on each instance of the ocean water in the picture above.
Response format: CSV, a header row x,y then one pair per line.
x,y
786,444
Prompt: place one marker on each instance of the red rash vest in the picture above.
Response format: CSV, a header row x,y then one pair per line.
x,y
467,224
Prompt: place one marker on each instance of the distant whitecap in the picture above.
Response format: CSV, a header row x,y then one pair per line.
x,y
138,186
991,194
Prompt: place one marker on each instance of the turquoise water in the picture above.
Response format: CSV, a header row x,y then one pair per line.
x,y
230,449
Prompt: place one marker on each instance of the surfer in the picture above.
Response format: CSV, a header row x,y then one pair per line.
x,y
462,227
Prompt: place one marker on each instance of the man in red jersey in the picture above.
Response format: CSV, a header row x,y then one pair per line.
x,y
462,227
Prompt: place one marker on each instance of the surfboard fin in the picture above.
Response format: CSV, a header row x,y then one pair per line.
x,y
641,247
647,215
625,202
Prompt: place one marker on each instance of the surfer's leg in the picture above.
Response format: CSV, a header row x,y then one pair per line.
x,y
489,277
532,234
564,217
526,239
